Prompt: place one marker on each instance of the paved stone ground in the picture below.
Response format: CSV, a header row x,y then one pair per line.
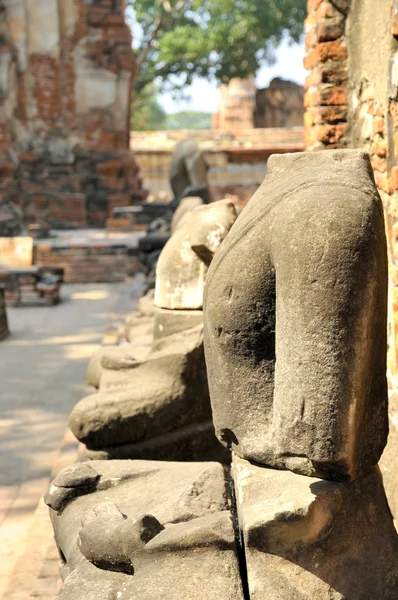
x,y
42,368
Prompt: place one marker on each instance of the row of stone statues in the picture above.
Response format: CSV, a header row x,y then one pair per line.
x,y
294,326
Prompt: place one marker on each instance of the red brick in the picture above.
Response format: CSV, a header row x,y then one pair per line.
x,y
313,5
378,125
325,51
379,164
393,108
7,169
337,96
394,21
379,147
333,114
394,178
309,117
312,97
383,182
326,10
310,39
331,134
330,30
29,157
314,78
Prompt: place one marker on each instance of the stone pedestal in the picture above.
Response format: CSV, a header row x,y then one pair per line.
x,y
145,530
154,405
311,539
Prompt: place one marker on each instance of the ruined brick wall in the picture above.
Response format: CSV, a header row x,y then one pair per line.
x,y
352,102
243,106
66,69
237,105
326,96
279,105
88,262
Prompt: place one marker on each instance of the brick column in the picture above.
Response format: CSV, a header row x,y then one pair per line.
x,y
326,94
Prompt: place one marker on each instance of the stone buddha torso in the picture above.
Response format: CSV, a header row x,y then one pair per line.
x,y
297,273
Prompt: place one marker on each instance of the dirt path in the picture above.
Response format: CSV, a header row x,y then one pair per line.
x,y
42,369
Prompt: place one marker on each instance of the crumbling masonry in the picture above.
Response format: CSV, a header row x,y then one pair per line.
x,y
66,71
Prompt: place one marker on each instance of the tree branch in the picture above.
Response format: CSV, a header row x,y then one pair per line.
x,y
145,51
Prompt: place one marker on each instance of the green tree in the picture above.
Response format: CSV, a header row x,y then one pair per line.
x,y
188,119
216,39
147,114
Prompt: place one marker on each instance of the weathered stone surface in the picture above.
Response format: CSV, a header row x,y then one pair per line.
x,y
78,480
146,305
169,324
150,530
187,167
154,407
183,262
184,210
302,276
139,334
307,538
389,460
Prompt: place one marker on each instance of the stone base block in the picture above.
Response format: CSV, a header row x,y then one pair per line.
x,y
148,403
145,530
308,538
194,442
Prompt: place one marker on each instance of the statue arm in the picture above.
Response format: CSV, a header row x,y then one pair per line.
x,y
329,256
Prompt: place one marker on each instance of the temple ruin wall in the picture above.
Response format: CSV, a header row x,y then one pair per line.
x,y
66,71
351,101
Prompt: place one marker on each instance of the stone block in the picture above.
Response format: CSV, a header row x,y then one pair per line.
x,y
307,538
145,530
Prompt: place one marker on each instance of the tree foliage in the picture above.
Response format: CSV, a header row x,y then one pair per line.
x,y
188,119
147,114
215,39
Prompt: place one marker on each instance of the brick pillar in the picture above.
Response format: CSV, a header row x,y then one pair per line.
x,y
326,96
352,102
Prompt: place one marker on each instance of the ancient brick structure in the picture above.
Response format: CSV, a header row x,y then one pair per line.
x,y
352,101
66,72
238,102
326,96
88,261
237,162
279,105
243,107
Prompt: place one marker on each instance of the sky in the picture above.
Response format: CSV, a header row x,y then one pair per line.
x,y
205,97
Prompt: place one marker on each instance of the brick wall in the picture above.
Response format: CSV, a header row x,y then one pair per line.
x,y
65,83
326,95
352,102
88,263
